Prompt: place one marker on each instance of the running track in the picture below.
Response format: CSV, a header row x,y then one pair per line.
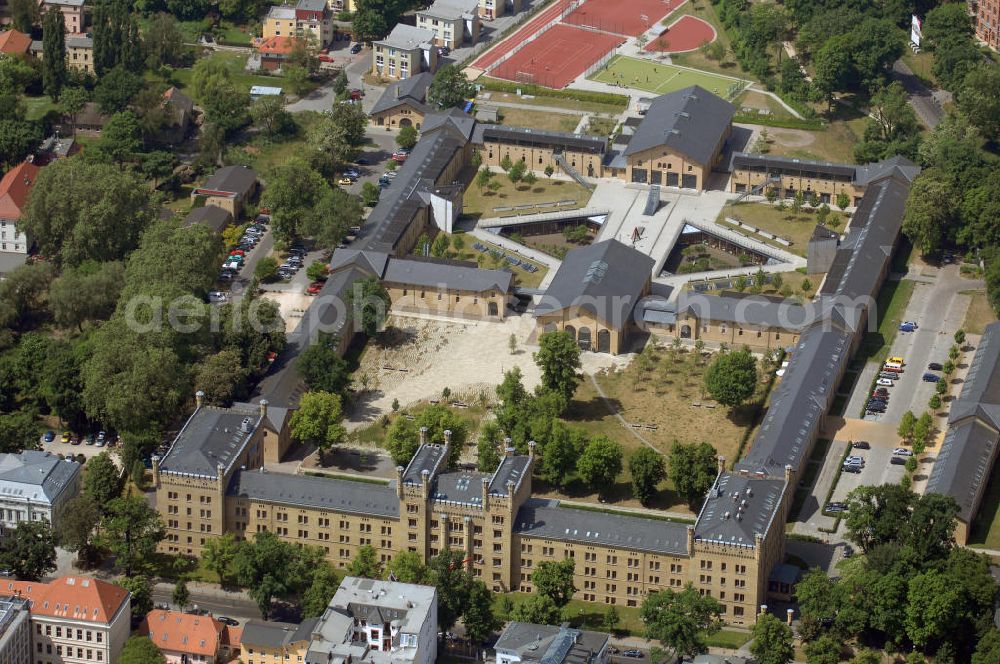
x,y
527,30
559,56
688,33
622,17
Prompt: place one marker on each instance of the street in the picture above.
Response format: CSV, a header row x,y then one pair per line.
x,y
924,101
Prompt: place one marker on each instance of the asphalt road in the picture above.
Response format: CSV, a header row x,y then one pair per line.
x,y
877,470
923,101
235,607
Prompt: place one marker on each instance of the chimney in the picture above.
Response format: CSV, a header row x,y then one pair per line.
x,y
155,461
508,447
690,540
447,437
425,482
763,609
486,494
721,464
788,473
531,448
399,481
423,435
263,409
789,615
199,399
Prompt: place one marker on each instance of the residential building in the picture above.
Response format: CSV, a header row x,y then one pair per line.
x,y
75,619
491,9
382,622
90,120
593,294
212,216
453,22
311,20
229,188
407,51
14,42
539,149
968,454
986,20
55,147
530,643
404,103
73,11
15,630
36,486
338,6
437,286
275,642
79,52
185,637
738,320
14,189
180,112
274,51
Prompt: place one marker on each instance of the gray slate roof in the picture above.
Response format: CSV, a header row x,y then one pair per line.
x,y
549,644
751,310
211,437
546,519
539,137
276,634
965,463
232,179
691,121
738,508
320,492
35,475
606,279
411,91
428,457
453,118
436,274
210,215
790,165
450,10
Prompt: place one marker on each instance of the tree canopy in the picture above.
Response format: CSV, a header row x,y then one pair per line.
x,y
732,378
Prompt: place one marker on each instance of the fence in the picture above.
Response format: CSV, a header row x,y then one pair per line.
x,y
570,7
601,63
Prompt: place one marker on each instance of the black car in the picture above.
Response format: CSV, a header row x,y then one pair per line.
x,y
852,469
934,366
861,445
356,49
226,620
897,461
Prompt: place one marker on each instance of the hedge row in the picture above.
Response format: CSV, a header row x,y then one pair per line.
x,y
498,85
771,121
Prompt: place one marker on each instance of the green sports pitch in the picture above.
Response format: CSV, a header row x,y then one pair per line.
x,y
662,78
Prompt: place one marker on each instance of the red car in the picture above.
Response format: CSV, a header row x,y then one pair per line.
x,y
237,252
357,94
399,158
314,288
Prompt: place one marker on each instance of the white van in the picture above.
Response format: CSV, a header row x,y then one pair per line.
x,y
895,366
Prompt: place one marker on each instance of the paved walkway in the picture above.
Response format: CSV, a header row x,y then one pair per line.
x,y
509,245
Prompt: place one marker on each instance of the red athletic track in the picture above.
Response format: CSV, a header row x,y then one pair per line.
x,y
558,56
687,34
622,16
547,15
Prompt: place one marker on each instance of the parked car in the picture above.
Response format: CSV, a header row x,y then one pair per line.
x,y
934,366
897,461
49,436
65,436
896,359
852,469
905,327
931,378
861,445
238,252
217,296
355,48
911,322
314,288
102,437
836,508
345,182
357,94
854,460
902,451
884,381
632,652
74,440
226,620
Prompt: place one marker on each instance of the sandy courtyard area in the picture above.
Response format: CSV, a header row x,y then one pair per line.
x,y
422,355
291,305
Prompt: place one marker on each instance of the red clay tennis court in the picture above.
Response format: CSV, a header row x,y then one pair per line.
x,y
686,34
557,57
548,15
622,17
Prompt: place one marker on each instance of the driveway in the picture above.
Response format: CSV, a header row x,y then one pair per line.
x,y
877,470
926,103
811,518
321,99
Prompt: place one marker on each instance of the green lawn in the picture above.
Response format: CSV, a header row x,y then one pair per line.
x,y
569,105
598,126
235,63
706,12
542,120
37,107
661,78
480,204
795,226
263,153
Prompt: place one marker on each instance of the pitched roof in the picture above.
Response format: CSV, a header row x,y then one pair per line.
x,y
231,179
14,189
211,215
74,597
606,278
450,10
277,45
539,137
550,644
35,475
547,520
79,40
691,121
407,37
453,118
321,492
175,631
273,634
14,42
738,509
449,276
747,309
411,91
211,437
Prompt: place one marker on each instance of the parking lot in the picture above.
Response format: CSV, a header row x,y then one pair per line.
x,y
877,470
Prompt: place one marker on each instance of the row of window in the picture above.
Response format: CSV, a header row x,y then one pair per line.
x,y
81,634
69,652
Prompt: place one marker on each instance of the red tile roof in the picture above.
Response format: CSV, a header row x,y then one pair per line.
x,y
173,631
14,188
74,597
276,46
14,42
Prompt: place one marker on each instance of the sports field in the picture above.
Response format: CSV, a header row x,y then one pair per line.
x,y
662,78
557,57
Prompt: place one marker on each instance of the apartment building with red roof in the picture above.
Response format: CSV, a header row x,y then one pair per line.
x,y
74,619
184,637
14,42
14,189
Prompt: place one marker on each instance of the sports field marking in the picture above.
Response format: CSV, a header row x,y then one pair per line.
x,y
662,77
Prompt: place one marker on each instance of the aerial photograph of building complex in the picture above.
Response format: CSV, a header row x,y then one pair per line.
x,y
502,331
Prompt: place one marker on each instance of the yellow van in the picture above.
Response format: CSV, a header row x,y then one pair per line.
x,y
896,360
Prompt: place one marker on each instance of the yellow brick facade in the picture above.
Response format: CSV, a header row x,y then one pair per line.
x,y
489,305
688,326
400,116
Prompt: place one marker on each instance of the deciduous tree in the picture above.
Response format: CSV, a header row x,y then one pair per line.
x,y
732,377
600,464
692,469
141,650
450,87
555,580
558,357
681,620
647,470
30,552
772,641
131,530
103,481
318,420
